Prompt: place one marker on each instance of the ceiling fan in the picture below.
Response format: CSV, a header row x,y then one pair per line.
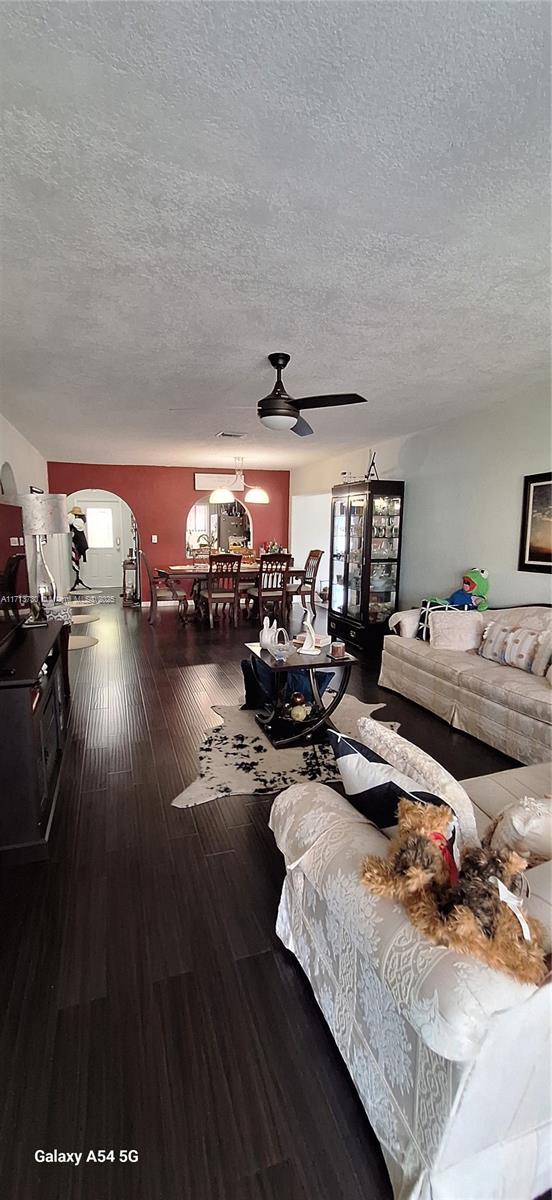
x,y
279,410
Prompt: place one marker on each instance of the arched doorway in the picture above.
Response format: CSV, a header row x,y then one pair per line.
x,y
218,527
8,486
112,535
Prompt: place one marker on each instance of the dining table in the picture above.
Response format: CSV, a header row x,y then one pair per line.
x,y
198,573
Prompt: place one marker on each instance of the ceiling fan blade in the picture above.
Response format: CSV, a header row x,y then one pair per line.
x,y
302,428
304,402
230,408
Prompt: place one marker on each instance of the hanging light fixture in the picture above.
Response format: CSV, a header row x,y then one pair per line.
x,y
253,494
256,495
221,495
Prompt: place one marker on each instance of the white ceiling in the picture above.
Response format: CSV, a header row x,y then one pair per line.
x,y
187,187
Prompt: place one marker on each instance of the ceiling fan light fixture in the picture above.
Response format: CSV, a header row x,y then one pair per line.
x,y
256,495
279,420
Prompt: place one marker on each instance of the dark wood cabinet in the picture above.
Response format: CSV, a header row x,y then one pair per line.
x,y
365,559
33,719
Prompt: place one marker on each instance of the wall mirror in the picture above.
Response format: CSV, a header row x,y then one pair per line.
x,y
212,528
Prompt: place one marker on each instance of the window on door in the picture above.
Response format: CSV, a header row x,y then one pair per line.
x,y
99,528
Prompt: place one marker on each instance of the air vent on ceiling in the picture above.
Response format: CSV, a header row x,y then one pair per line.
x,y
223,434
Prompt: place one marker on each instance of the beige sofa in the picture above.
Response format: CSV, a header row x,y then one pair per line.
x,y
450,1058
502,706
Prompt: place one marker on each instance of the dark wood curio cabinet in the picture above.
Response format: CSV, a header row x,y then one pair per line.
x,y
365,559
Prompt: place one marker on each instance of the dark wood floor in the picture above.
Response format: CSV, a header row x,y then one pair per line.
x,y
145,1001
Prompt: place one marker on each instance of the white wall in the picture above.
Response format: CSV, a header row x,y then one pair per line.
x,y
28,465
310,530
30,469
464,484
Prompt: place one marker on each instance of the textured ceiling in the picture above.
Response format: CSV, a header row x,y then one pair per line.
x,y
187,187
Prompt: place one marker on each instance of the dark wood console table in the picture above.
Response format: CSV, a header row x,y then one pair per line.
x,y
34,697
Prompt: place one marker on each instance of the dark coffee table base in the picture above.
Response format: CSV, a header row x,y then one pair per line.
x,y
282,732
278,730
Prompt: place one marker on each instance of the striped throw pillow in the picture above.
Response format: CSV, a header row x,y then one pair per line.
x,y
371,784
515,646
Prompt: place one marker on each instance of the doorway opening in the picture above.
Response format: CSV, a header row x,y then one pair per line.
x,y
217,528
8,486
113,540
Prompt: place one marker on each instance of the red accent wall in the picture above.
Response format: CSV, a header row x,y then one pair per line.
x,y
161,497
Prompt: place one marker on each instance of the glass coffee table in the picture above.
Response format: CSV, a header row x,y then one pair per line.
x,y
279,728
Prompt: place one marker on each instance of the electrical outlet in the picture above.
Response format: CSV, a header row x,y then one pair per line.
x,y
154,538
14,541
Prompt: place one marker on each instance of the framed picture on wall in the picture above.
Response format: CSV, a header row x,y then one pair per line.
x,y
535,548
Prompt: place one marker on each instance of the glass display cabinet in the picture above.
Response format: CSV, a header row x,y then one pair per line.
x,y
365,557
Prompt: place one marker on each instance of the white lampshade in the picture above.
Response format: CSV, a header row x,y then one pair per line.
x,y
221,495
279,421
256,495
44,513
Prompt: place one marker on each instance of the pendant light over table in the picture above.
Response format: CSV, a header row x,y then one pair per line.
x,y
253,494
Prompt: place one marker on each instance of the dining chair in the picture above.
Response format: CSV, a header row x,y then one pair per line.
x,y
306,584
269,597
164,587
222,586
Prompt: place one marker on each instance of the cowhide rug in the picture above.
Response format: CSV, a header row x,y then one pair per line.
x,y
237,759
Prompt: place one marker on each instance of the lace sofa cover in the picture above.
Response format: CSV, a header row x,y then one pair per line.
x,y
426,1034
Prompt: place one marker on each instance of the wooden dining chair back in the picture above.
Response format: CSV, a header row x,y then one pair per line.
x,y
222,586
308,586
163,587
270,595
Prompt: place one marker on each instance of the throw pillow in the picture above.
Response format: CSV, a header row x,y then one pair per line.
x,y
543,657
427,607
513,646
371,784
539,901
524,826
405,623
424,770
456,630
494,641
521,648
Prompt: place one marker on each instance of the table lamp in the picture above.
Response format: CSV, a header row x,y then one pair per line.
x,y
43,514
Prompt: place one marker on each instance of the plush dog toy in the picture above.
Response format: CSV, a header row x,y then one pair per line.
x,y
471,909
419,857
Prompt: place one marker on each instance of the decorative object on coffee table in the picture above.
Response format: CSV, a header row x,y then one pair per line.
x,y
535,549
280,648
309,645
267,635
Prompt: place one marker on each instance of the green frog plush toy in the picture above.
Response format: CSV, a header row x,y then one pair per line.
x,y
474,592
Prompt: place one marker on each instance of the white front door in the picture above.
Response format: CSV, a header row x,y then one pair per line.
x,y
104,557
